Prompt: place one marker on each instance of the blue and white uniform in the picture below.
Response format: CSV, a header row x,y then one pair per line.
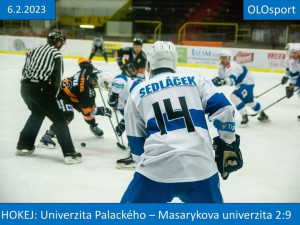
x,y
122,85
169,138
287,65
239,76
294,72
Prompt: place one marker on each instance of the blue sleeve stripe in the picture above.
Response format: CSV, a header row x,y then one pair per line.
x,y
121,111
122,76
216,102
298,82
133,85
242,76
227,126
136,144
233,78
294,74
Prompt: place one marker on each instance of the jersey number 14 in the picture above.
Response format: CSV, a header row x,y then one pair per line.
x,y
173,115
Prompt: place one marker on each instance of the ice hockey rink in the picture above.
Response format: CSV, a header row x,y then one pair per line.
x,y
271,150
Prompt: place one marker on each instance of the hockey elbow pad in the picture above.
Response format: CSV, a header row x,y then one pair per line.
x,y
113,100
227,156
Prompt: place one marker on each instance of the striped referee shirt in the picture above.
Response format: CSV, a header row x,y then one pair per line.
x,y
44,64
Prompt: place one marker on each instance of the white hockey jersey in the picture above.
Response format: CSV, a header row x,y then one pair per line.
x,y
235,74
294,70
287,65
167,130
122,85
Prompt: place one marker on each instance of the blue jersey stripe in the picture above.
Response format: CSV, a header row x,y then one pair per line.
x,y
294,74
136,144
122,76
216,102
134,84
242,76
232,78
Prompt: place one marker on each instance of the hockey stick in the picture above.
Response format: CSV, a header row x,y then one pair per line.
x,y
122,146
267,90
117,118
272,104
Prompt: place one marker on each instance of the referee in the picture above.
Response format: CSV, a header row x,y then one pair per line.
x,y
40,85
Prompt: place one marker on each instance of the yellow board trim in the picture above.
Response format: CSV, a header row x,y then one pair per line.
x,y
97,58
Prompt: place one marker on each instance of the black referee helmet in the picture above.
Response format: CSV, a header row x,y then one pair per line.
x,y
56,36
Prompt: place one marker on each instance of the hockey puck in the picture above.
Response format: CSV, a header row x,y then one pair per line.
x,y
83,144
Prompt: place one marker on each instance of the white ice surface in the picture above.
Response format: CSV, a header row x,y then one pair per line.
x,y
271,150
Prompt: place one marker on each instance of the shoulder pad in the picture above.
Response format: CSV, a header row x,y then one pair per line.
x,y
143,54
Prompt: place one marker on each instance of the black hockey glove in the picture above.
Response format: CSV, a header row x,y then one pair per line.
x,y
284,80
227,156
218,81
120,128
131,68
124,70
289,92
113,100
104,111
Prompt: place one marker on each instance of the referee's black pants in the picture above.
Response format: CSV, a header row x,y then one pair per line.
x,y
41,102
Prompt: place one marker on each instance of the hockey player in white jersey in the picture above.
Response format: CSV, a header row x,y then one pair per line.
x,y
285,78
233,74
169,138
120,87
294,70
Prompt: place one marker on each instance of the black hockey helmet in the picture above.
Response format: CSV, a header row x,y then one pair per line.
x,y
56,36
93,76
137,41
91,72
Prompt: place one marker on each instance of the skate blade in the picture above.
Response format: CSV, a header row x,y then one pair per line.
x,y
24,152
70,160
265,121
125,167
49,146
244,125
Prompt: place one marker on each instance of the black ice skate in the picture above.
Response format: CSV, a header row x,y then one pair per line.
x,y
299,118
24,150
96,130
73,158
263,117
126,163
245,120
46,141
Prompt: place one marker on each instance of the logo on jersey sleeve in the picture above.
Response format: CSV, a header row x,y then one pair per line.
x,y
120,86
69,107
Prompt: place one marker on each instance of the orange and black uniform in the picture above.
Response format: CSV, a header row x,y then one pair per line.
x,y
76,92
136,63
